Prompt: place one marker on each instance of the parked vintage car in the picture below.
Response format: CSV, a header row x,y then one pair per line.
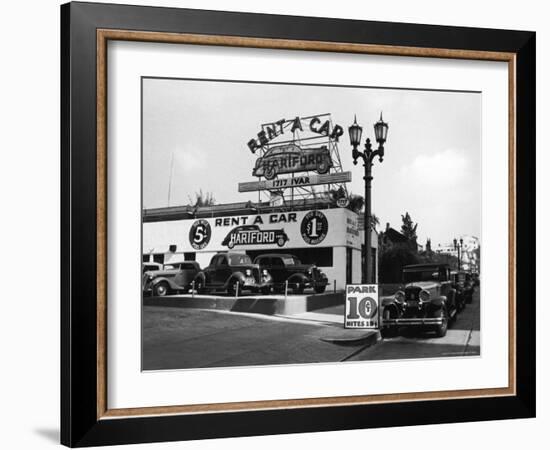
x,y
254,235
469,287
148,266
232,272
464,285
427,300
290,158
172,278
287,268
458,279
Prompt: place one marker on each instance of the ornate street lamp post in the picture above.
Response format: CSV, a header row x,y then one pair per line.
x,y
368,155
458,248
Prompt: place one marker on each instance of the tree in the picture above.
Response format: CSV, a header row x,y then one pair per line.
x,y
202,199
356,203
408,229
391,262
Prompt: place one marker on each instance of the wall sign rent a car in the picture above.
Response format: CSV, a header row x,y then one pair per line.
x,y
361,306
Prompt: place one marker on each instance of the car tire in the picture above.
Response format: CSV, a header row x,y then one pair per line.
x,y
441,330
389,332
299,289
231,289
199,286
323,168
270,173
281,241
161,289
320,289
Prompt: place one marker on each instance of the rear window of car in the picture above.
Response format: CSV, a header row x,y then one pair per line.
x,y
236,260
290,260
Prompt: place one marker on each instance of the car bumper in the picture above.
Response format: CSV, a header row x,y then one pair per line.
x,y
412,321
250,284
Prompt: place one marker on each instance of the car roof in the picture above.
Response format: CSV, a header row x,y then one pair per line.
x,y
278,255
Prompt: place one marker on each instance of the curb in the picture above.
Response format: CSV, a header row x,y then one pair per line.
x,y
345,336
269,305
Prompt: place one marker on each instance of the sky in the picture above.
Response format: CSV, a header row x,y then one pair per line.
x,y
199,130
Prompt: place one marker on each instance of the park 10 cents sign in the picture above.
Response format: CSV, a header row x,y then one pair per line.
x,y
361,306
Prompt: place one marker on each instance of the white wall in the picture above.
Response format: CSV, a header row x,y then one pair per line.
x,y
29,175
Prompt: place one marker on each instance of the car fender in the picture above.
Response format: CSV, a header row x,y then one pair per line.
x,y
391,306
158,280
387,301
201,276
298,278
235,276
439,302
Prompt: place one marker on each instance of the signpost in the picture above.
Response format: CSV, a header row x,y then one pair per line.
x,y
294,182
362,306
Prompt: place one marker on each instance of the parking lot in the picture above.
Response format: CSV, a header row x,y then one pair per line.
x,y
176,337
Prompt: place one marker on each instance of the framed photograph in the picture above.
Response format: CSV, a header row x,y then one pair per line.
x,y
277,224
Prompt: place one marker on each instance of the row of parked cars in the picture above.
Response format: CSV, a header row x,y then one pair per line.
x,y
234,272
432,297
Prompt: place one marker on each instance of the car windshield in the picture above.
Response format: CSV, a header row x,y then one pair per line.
x,y
428,274
290,260
236,260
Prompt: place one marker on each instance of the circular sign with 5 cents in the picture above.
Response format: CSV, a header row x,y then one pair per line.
x,y
199,234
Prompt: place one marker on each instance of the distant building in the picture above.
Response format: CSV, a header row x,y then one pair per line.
x,y
470,252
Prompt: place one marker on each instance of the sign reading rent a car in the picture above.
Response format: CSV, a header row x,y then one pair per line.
x,y
362,306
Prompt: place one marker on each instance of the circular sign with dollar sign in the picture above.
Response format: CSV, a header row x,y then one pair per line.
x,y
199,234
314,227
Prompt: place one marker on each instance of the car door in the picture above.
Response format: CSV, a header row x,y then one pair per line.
x,y
277,270
222,271
446,287
185,275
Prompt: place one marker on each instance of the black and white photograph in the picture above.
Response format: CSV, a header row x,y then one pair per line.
x,y
298,223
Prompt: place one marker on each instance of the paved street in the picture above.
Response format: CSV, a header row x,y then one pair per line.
x,y
462,339
179,338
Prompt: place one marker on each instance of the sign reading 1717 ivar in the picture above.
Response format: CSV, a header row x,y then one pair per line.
x,y
361,306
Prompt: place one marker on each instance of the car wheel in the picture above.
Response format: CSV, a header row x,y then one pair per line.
x,y
299,289
441,330
231,244
199,286
320,289
270,173
391,331
281,241
232,287
323,168
161,289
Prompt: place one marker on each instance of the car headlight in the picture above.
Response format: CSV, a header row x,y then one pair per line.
x,y
265,273
248,272
399,297
424,295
